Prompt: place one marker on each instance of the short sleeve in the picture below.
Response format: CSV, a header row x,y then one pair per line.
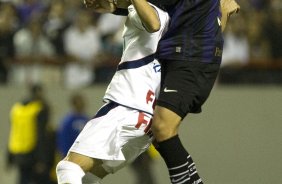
x,y
134,18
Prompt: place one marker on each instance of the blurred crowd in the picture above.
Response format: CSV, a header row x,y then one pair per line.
x,y
56,41
254,35
59,41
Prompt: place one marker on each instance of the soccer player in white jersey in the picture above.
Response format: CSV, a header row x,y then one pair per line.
x,y
120,131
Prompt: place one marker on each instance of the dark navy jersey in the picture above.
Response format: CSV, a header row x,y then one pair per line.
x,y
194,33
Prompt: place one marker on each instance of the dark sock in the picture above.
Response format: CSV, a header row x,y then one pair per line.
x,y
175,157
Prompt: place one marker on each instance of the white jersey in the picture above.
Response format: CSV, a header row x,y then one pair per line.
x,y
136,82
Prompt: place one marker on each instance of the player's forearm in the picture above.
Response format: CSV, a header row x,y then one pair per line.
x,y
227,7
147,14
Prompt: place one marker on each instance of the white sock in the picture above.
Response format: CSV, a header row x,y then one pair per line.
x,y
69,173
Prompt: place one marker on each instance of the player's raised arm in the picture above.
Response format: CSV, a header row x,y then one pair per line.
x,y
147,14
227,7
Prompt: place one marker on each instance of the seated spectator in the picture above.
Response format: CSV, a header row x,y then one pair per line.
x,y
27,8
236,47
73,8
32,48
56,25
109,25
8,21
273,30
258,43
82,43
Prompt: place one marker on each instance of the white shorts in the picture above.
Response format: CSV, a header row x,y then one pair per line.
x,y
116,135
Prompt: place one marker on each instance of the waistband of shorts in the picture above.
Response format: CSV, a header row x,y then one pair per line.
x,y
136,63
106,108
112,104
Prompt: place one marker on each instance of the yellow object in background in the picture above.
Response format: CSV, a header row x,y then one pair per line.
x,y
23,133
153,153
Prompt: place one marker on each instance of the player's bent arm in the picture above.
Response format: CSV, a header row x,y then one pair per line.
x,y
227,7
147,15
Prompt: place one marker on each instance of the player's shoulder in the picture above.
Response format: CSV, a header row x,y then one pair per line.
x,y
162,14
158,9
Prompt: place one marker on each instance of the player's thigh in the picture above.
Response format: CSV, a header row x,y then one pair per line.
x,y
186,86
87,164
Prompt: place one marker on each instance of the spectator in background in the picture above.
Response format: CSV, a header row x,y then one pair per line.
x,y
30,40
82,43
259,4
110,28
32,48
27,9
109,25
8,21
273,29
8,9
72,124
56,24
28,145
236,47
259,48
73,8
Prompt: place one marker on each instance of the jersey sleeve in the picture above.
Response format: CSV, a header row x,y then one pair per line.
x,y
164,18
134,18
136,21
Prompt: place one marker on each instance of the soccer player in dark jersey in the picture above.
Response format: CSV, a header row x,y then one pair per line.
x,y
190,54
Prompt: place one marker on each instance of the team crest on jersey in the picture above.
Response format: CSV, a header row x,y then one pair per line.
x,y
157,67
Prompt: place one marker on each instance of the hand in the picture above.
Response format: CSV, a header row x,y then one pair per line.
x,y
227,7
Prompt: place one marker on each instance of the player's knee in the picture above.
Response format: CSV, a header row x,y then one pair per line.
x,y
69,173
158,125
165,123
162,130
